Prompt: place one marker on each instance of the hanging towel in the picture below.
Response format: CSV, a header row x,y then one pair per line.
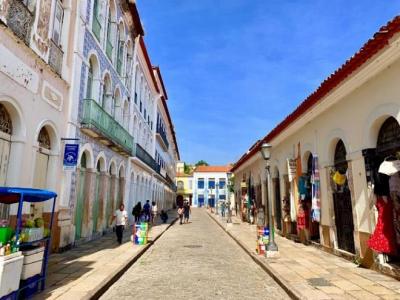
x,y
315,189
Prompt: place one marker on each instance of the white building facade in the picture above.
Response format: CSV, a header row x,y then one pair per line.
x,y
350,124
36,71
210,185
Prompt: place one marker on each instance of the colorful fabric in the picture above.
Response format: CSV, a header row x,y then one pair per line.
x,y
383,239
315,191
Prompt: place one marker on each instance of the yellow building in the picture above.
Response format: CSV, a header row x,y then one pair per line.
x,y
184,183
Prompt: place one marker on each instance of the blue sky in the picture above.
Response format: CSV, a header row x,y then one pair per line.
x,y
234,69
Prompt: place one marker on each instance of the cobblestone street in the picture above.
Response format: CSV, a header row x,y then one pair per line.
x,y
195,261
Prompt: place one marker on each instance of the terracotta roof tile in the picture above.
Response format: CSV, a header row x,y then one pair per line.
x,y
223,169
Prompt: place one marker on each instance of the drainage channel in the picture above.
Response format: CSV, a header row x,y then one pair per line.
x,y
117,276
288,291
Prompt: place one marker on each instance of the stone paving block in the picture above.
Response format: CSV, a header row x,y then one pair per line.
x,y
363,295
346,285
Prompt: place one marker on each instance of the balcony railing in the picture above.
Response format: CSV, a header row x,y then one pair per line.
x,y
145,157
163,136
55,57
105,127
109,49
96,27
20,19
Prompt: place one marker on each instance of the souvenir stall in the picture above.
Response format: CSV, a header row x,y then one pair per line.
x,y
25,245
382,171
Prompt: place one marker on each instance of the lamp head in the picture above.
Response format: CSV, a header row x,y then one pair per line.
x,y
266,151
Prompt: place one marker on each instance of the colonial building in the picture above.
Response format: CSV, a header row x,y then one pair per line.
x,y
36,70
326,154
210,185
184,184
113,118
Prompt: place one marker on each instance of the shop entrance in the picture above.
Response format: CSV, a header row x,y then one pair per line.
x,y
387,190
80,198
342,201
278,208
5,146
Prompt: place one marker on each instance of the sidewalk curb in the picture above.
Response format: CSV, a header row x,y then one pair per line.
x,y
102,287
288,288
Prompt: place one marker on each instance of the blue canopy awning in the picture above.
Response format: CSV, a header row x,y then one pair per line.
x,y
11,195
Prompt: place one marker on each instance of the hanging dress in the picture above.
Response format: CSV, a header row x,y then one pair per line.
x,y
383,240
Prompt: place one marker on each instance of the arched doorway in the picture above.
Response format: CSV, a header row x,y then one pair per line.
x,y
6,130
278,207
388,149
342,200
97,187
112,187
80,199
41,168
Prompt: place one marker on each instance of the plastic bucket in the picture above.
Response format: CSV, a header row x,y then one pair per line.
x,y
5,234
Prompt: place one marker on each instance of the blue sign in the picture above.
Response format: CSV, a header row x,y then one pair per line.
x,y
71,152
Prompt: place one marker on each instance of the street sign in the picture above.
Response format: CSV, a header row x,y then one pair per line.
x,y
70,156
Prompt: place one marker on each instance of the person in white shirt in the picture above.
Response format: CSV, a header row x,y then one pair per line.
x,y
121,217
154,212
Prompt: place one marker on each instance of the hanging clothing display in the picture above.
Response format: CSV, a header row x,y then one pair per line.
x,y
382,240
292,204
394,186
389,167
315,191
302,187
291,163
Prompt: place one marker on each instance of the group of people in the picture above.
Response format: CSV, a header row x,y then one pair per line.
x,y
146,214
184,212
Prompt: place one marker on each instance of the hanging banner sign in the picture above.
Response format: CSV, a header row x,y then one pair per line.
x,y
71,152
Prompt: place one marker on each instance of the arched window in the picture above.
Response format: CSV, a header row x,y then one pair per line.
x,y
128,67
89,85
121,45
83,160
109,40
389,136
340,157
5,120
107,95
96,25
44,139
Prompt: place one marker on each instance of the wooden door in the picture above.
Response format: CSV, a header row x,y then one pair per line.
x,y
344,220
80,199
40,180
95,208
5,146
278,207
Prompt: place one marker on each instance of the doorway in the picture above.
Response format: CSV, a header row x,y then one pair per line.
x,y
342,201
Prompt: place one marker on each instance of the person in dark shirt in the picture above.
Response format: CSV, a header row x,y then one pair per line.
x,y
186,212
164,216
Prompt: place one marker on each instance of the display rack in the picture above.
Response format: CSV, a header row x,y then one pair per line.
x,y
13,195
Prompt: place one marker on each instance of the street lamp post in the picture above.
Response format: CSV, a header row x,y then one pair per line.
x,y
272,248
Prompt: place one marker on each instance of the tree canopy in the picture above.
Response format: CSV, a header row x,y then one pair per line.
x,y
201,163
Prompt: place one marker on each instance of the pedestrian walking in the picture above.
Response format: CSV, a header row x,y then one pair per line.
x,y
223,206
147,211
121,217
180,214
154,211
137,209
186,212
